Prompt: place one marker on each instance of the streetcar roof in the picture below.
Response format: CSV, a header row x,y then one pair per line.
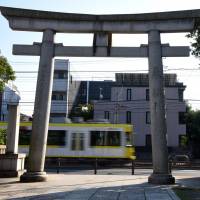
x,y
126,127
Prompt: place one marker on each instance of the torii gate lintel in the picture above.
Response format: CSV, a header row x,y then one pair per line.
x,y
100,51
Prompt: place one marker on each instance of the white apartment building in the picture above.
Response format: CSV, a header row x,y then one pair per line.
x,y
59,102
130,104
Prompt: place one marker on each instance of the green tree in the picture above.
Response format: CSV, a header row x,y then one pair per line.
x,y
83,110
193,117
87,111
6,72
195,36
193,130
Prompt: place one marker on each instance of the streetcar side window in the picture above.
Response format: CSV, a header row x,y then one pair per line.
x,y
56,137
77,141
97,138
104,138
113,138
24,137
82,141
73,142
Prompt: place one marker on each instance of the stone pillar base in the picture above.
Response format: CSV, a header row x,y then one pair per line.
x,y
161,179
33,177
11,165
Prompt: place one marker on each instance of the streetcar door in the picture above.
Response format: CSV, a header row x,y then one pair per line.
x,y
77,142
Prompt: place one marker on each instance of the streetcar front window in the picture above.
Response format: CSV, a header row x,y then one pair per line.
x,y
129,139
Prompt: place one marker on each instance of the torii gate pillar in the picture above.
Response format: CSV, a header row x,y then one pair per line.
x,y
161,174
41,111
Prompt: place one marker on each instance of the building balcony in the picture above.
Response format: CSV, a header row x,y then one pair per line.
x,y
57,119
58,106
60,85
61,64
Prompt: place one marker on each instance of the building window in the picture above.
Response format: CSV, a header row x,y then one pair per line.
x,y
60,74
71,79
61,96
180,94
128,95
147,94
83,91
181,117
53,97
148,118
128,117
106,115
148,140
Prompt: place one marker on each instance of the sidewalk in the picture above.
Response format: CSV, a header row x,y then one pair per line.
x,y
86,187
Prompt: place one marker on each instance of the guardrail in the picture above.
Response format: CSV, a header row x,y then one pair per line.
x,y
96,164
99,160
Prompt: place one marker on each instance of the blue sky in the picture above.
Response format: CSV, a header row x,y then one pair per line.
x,y
27,85
103,6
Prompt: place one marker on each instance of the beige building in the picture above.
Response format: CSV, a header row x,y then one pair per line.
x,y
129,103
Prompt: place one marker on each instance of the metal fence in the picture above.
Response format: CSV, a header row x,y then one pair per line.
x,y
95,164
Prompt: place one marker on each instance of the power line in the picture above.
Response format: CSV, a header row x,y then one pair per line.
x,y
82,61
118,71
136,101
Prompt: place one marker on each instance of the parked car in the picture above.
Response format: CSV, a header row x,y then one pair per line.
x,y
180,160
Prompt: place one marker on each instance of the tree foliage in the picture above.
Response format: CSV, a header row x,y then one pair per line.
x,y
195,36
87,111
193,130
193,123
6,72
83,110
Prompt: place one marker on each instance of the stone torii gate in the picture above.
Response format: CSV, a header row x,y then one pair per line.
x,y
102,26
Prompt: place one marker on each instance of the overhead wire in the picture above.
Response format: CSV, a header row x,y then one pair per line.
x,y
22,78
